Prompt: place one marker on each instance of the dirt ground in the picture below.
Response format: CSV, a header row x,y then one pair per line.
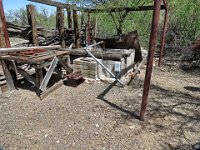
x,y
98,116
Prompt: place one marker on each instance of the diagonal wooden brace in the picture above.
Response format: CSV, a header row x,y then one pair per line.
x,y
48,75
64,65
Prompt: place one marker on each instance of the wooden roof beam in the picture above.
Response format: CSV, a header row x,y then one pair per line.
x,y
52,3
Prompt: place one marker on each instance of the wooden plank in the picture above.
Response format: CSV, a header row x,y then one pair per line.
x,y
38,60
48,75
60,24
32,23
52,3
17,49
26,76
99,53
51,89
58,53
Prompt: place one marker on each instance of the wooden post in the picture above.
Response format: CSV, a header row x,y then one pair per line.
x,y
76,34
5,42
88,30
82,19
32,23
69,18
95,27
60,25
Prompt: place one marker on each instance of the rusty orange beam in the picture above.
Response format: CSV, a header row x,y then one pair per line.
x,y
152,46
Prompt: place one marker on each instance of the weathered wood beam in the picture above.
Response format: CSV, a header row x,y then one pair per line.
x,y
32,23
64,65
4,37
45,81
52,3
140,8
16,49
69,18
76,33
60,24
95,27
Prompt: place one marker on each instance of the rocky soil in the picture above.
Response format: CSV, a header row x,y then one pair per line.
x,y
99,116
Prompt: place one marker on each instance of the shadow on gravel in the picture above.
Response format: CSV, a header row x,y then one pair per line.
x,y
178,115
193,89
173,112
101,97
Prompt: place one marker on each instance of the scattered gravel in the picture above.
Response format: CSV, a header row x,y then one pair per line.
x,y
85,118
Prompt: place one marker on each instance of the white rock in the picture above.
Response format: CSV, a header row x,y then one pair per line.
x,y
46,135
57,141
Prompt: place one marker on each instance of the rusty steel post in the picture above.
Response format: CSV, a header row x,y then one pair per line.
x,y
4,25
88,30
152,46
163,35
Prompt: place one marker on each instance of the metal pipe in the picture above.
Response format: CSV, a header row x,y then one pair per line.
x,y
152,46
87,50
163,36
95,44
4,25
17,49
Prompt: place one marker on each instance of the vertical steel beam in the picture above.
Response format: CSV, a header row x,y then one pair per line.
x,y
152,46
163,34
4,25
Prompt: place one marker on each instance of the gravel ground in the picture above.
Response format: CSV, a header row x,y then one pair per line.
x,y
91,117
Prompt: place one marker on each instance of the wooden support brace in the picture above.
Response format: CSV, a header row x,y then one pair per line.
x,y
8,76
26,75
48,75
64,65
